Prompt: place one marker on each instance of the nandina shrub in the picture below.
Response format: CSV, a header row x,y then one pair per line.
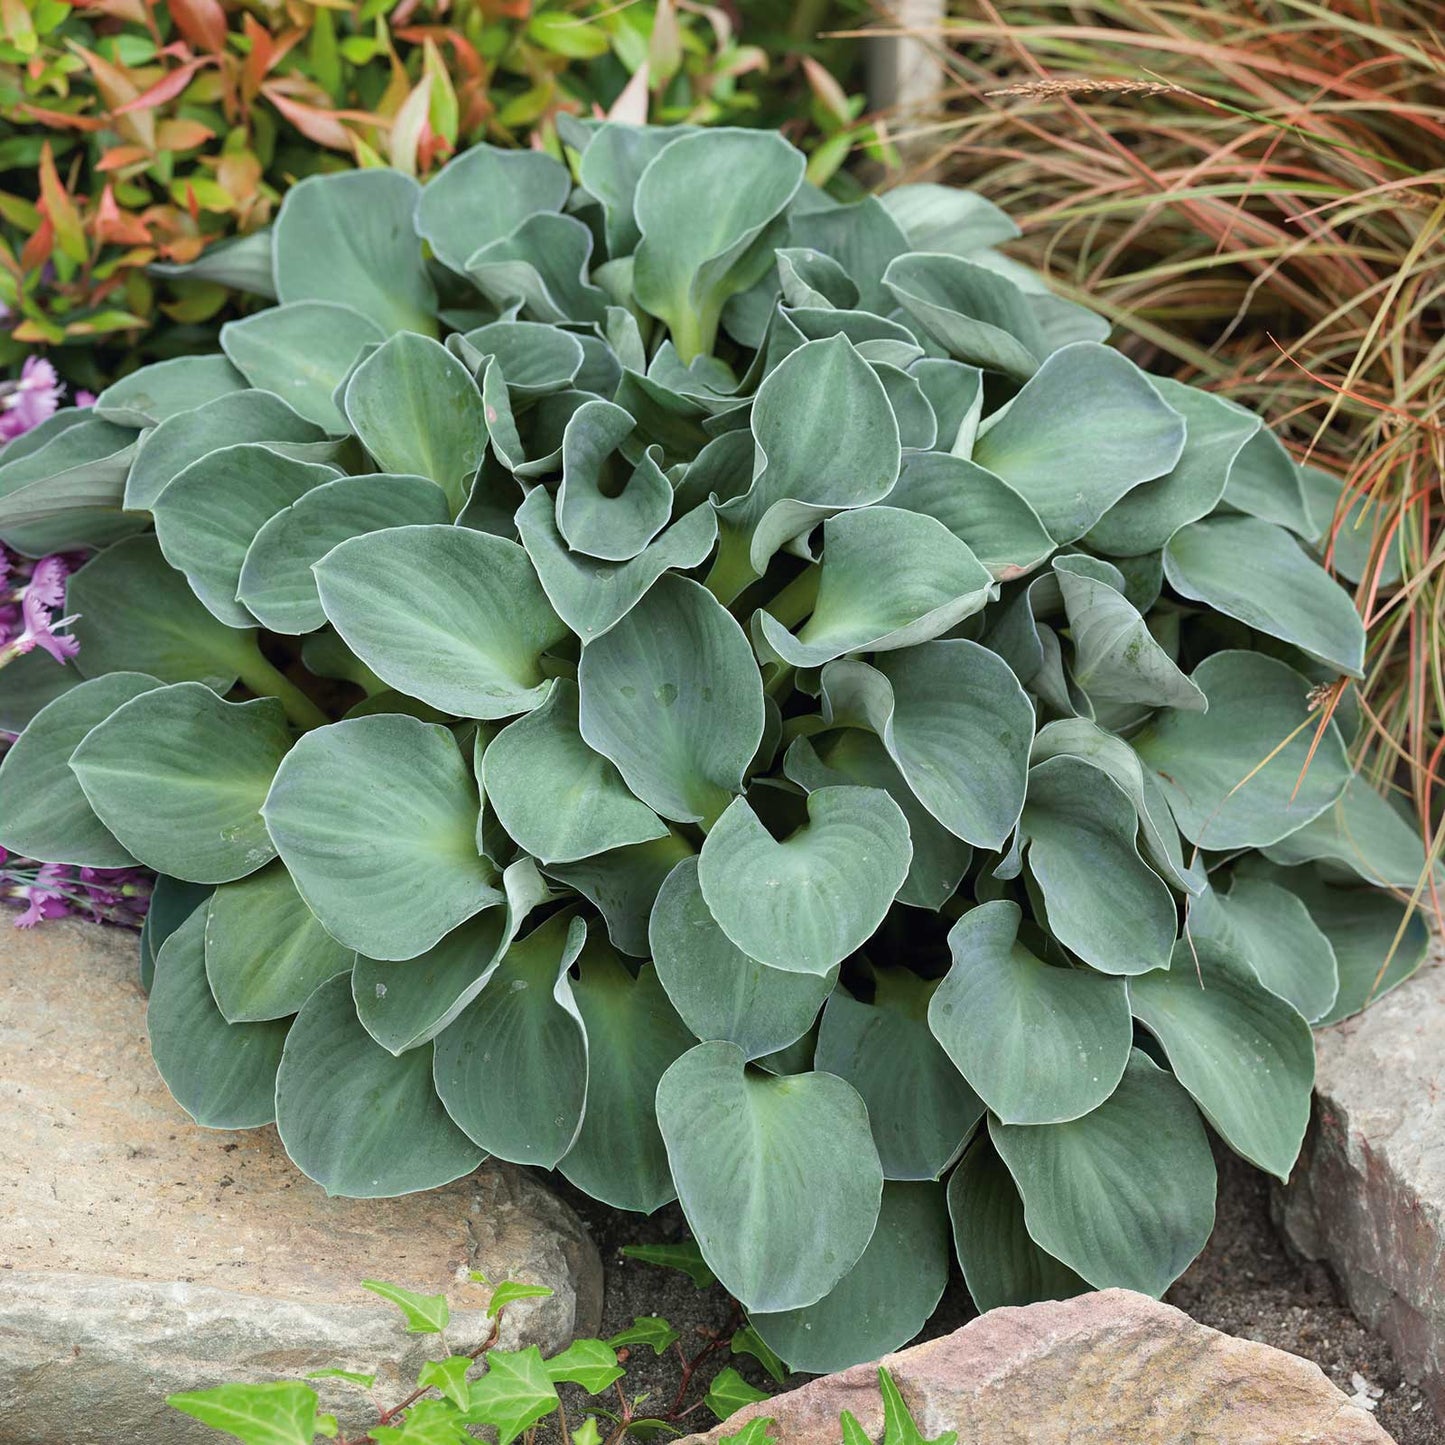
x,y
727,695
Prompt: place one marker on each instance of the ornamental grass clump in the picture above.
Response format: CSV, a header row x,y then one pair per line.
x,y
728,695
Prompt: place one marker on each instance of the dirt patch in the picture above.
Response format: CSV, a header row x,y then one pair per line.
x,y
1245,1283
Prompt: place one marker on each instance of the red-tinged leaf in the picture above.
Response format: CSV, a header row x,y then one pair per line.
x,y
103,323
261,55
60,208
631,106
131,11
179,134
829,93
202,22
118,227
167,88
406,131
36,251
35,331
317,125
117,158
117,89
239,174
61,119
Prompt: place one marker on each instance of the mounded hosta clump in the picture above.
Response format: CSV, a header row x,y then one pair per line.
x,y
654,673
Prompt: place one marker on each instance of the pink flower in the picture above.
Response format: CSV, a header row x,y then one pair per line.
x,y
26,612
31,400
43,896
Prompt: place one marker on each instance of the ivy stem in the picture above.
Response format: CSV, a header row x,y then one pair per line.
x,y
267,681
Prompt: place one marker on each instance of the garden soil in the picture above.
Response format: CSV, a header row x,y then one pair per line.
x,y
1245,1283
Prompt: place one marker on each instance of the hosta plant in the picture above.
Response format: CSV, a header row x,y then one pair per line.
x,y
653,673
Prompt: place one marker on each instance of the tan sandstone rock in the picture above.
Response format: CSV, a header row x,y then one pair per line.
x,y
140,1255
1112,1368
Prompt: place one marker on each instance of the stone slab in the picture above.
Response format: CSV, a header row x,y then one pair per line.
x,y
141,1255
1368,1193
1103,1369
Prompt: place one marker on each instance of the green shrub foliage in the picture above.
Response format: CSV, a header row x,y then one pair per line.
x,y
654,673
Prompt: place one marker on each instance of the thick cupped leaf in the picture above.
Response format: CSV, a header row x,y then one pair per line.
x,y
376,821
222,1074
349,238
957,723
777,1238
889,579
1265,482
1245,1055
1083,431
165,389
717,990
1040,1044
1250,770
179,776
944,218
805,903
624,883
919,1108
541,267
557,798
1125,1195
883,1301
453,617
1255,571
609,506
673,697
358,1120
44,812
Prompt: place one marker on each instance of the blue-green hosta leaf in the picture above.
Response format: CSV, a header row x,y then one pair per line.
x,y
1001,529
524,1028
851,755
1349,542
673,697
633,1035
1270,929
1116,658
608,507
172,902
44,812
591,597
709,210
1265,482
717,990
484,194
1240,775
207,518
1125,1195
624,885
167,388
1257,572
360,1121
946,219
242,416
302,353
889,579
1084,431
863,237
955,392
223,1075
1158,835
535,359
1001,1263
884,1300
920,1110
955,720
453,617
1363,832
806,903
349,237
811,278
1245,1055
417,410
283,1413
514,1394
827,440
179,776
542,266
266,951
242,262
376,820
611,166
1104,902
1040,1044
559,800
32,681
1144,519
277,585
777,1239
403,1003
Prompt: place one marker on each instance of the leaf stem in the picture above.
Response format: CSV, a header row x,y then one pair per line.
x,y
798,599
266,680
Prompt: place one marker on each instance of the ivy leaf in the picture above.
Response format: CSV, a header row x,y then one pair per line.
x,y
898,1423
279,1414
759,1432
450,1377
429,1422
651,1330
729,1392
686,1257
426,1314
588,1363
354,1377
747,1341
587,1432
514,1393
509,1291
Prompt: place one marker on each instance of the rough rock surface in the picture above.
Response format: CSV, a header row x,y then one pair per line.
x,y
140,1255
1368,1194
1098,1370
